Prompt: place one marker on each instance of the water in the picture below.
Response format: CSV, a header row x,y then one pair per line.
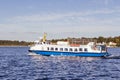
x,y
16,64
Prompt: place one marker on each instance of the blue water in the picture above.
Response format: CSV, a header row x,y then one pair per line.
x,y
16,63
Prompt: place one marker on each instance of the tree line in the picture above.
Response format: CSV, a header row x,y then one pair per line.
x,y
14,43
99,39
110,39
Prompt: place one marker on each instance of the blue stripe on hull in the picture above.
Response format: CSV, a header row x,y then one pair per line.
x,y
82,54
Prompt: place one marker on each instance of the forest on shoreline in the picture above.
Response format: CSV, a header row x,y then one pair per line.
x,y
100,39
14,43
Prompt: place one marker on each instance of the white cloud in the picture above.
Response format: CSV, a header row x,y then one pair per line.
x,y
57,16
72,19
63,24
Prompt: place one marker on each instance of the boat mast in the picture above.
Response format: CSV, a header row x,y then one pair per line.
x,y
44,37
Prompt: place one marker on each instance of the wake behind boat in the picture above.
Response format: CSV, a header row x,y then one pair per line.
x,y
62,48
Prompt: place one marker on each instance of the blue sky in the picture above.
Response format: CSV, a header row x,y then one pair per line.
x,y
29,19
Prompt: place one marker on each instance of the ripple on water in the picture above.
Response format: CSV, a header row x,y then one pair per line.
x,y
16,64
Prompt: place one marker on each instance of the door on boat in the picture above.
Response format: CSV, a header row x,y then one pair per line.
x,y
101,48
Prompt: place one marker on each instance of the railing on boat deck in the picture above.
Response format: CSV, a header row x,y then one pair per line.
x,y
82,41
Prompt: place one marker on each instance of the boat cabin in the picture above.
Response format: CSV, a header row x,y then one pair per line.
x,y
65,47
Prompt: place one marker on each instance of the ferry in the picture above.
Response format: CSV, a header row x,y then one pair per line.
x,y
62,48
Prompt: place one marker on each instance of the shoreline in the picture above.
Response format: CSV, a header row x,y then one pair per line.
x,y
12,46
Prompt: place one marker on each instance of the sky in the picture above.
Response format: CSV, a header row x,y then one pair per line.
x,y
28,19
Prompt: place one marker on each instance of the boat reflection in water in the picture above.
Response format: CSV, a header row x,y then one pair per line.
x,y
52,58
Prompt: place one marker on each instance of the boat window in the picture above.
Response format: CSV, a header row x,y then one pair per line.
x,y
103,48
47,48
52,48
85,49
75,49
56,49
80,49
98,48
70,49
61,49
66,49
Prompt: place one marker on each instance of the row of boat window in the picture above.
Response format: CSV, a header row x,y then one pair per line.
x,y
67,49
